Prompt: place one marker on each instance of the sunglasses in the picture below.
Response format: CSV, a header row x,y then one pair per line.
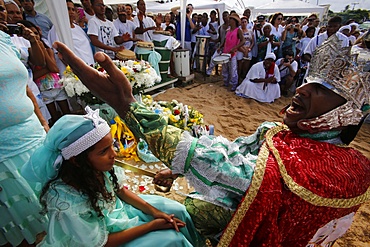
x,y
279,19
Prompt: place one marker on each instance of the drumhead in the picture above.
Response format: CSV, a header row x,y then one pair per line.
x,y
203,36
223,58
145,44
167,33
126,54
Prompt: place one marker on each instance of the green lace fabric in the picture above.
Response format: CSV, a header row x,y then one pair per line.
x,y
209,219
154,129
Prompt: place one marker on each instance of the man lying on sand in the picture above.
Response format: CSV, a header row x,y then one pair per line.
x,y
291,184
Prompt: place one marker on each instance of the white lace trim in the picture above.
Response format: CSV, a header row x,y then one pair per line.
x,y
181,153
211,172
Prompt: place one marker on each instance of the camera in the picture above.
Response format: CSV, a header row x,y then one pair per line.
x,y
14,29
286,60
259,25
187,10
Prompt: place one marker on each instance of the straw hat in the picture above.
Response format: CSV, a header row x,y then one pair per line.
x,y
235,17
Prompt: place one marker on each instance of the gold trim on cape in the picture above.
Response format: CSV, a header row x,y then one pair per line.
x,y
259,172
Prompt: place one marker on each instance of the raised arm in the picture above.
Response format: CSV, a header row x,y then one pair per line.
x,y
105,86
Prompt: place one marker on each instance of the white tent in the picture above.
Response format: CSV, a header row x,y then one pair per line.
x,y
199,5
290,8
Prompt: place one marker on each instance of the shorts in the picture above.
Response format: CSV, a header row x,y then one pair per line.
x,y
55,94
240,56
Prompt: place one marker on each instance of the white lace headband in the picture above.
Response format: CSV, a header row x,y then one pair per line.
x,y
90,138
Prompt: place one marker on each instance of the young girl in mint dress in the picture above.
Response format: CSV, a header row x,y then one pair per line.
x,y
85,198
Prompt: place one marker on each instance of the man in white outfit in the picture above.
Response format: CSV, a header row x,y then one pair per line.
x,y
262,81
332,28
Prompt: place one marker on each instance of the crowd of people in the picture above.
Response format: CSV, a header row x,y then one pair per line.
x,y
58,182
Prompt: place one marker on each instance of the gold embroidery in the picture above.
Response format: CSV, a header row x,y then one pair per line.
x,y
304,193
248,199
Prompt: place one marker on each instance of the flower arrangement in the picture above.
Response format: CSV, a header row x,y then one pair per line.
x,y
179,115
139,73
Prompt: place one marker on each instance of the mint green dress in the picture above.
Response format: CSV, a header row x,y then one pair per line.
x,y
74,223
21,132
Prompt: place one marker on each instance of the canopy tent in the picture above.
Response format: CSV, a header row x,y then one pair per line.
x,y
59,15
291,8
156,7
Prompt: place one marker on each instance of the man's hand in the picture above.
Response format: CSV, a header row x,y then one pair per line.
x,y
113,87
164,178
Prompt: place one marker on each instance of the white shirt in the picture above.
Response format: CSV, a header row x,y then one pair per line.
x,y
215,25
105,31
147,22
81,46
318,40
317,29
127,27
277,32
284,71
88,16
164,26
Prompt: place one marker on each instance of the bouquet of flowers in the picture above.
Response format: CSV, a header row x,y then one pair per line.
x,y
179,115
139,73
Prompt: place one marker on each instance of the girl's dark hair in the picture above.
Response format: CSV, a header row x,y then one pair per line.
x,y
84,178
309,29
275,16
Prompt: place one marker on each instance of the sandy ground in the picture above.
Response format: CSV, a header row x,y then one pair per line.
x,y
234,116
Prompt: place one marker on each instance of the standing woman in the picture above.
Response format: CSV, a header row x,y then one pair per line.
x,y
21,133
267,43
233,41
290,35
47,79
244,55
277,29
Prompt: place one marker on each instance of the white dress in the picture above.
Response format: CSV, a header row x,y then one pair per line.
x,y
258,91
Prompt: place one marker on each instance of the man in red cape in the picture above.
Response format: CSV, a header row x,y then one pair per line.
x,y
293,184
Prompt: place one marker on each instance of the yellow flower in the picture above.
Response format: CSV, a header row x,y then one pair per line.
x,y
124,70
173,118
136,62
68,70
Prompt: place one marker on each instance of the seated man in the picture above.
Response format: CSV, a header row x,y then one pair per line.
x,y
288,68
286,182
261,82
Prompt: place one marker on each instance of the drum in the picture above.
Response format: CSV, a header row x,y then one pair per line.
x,y
160,41
202,44
160,38
182,62
221,59
142,48
201,52
126,54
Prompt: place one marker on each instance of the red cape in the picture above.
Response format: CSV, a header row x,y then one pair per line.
x,y
299,185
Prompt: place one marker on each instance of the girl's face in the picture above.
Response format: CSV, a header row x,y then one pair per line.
x,y
279,19
167,17
310,33
102,156
244,23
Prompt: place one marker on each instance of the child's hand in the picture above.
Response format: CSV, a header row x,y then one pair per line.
x,y
161,224
170,219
